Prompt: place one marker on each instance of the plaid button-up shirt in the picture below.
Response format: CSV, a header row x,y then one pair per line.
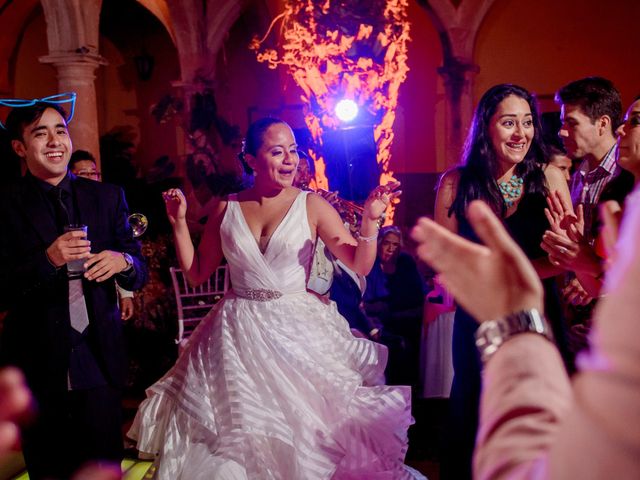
x,y
586,187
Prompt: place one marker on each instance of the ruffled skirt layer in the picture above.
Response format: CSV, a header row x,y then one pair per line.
x,y
276,390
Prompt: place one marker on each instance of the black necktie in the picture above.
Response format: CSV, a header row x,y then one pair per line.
x,y
56,194
78,315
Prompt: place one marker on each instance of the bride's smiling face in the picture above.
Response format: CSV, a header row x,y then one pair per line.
x,y
276,160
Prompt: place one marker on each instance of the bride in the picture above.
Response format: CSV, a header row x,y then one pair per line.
x,y
272,385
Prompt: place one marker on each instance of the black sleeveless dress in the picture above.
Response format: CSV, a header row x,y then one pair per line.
x,y
526,226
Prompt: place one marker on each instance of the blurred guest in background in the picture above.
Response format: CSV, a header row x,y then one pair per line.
x,y
559,159
395,298
83,164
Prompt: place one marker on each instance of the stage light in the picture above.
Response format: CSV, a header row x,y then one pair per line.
x,y
346,110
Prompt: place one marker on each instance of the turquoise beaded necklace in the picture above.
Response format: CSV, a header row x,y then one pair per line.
x,y
511,190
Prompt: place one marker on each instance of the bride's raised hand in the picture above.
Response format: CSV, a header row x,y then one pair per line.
x,y
379,199
176,205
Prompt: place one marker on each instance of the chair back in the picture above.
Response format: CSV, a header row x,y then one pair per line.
x,y
193,303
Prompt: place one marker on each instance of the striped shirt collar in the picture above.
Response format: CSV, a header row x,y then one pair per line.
x,y
608,163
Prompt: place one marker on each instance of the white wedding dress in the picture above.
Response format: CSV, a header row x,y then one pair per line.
x,y
272,384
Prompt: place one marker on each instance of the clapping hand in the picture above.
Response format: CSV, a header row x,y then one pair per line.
x,y
564,242
490,280
562,219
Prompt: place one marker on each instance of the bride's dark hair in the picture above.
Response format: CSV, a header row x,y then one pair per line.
x,y
253,141
479,160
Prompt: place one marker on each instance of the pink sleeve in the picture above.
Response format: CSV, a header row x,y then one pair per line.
x,y
532,425
526,395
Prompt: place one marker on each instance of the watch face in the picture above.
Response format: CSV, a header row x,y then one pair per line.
x,y
492,334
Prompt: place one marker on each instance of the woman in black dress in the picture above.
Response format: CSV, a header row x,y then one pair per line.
x,y
503,163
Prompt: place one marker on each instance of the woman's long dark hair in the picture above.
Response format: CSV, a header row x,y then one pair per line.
x,y
479,160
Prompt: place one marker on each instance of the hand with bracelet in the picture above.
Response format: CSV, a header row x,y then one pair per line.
x,y
375,205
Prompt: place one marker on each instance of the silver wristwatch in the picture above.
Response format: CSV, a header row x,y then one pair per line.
x,y
492,334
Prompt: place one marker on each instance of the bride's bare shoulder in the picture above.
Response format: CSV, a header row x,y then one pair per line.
x,y
315,201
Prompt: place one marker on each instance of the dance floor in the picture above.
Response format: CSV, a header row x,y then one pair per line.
x,y
131,470
140,470
423,455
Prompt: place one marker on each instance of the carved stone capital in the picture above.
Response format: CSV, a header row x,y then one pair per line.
x,y
457,74
73,63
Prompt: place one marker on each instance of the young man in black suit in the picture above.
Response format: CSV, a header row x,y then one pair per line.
x,y
64,333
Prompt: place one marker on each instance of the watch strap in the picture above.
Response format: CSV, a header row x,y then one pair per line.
x,y
492,334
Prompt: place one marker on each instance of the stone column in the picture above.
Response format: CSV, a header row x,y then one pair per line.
x,y
76,73
458,81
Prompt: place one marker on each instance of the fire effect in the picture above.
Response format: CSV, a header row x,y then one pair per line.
x,y
339,49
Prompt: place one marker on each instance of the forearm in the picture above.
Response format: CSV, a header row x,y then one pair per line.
x,y
185,251
518,425
545,269
366,248
122,292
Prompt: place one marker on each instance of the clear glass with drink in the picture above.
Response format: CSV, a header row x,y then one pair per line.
x,y
75,268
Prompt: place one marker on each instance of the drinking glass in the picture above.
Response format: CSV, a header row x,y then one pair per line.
x,y
75,268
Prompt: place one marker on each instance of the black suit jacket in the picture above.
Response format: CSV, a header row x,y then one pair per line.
x,y
36,330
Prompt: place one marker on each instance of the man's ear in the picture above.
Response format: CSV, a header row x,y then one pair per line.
x,y
19,148
604,124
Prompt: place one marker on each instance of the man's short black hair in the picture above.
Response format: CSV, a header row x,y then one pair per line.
x,y
80,155
597,97
20,117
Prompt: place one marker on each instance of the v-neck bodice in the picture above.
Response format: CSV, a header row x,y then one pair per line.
x,y
284,266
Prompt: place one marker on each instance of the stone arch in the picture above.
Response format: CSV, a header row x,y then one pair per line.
x,y
72,25
458,25
200,28
143,63
160,10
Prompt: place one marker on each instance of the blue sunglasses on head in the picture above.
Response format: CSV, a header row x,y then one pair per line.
x,y
57,99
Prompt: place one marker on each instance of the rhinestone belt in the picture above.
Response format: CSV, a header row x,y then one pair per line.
x,y
260,294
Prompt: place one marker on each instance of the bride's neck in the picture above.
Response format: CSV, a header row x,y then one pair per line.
x,y
261,193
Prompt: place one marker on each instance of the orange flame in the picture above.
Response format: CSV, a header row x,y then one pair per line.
x,y
321,61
